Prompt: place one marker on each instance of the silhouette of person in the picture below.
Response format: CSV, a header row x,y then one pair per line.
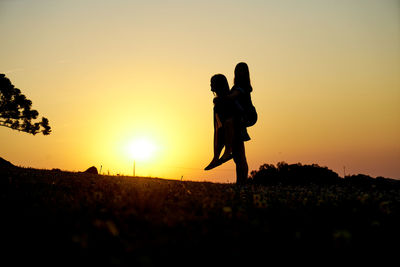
x,y
231,107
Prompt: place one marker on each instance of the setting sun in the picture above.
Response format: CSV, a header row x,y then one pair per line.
x,y
142,149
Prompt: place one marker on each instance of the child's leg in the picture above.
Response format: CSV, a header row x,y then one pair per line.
x,y
228,136
218,143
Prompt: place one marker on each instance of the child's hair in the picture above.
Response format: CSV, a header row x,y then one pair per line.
x,y
242,77
219,84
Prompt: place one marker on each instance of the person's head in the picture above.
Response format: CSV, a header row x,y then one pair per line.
x,y
219,84
242,76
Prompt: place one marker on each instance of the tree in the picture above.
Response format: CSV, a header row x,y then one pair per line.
x,y
16,112
294,174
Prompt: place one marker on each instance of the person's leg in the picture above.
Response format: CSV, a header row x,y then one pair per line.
x,y
239,156
218,144
228,138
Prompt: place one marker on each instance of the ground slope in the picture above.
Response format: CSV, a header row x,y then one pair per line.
x,y
56,217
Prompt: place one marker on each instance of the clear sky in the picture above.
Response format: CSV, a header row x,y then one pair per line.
x,y
325,73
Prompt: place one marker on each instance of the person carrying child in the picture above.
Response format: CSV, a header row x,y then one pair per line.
x,y
233,113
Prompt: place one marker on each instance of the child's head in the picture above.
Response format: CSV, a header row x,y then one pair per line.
x,y
219,84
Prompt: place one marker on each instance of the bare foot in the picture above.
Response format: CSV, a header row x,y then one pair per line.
x,y
212,165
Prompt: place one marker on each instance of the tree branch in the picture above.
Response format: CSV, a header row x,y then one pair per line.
x,y
4,125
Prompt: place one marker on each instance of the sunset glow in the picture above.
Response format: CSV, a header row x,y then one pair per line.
x,y
142,149
122,80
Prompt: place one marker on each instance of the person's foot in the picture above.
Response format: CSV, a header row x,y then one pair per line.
x,y
225,157
212,165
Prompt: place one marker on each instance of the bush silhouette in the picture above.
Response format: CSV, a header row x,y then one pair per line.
x,y
298,174
16,112
366,181
294,174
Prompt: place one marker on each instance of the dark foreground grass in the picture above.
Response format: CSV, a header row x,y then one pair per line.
x,y
54,217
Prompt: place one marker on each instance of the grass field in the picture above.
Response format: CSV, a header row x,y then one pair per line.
x,y
64,217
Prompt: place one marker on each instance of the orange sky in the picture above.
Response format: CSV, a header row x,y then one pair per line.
x,y
106,73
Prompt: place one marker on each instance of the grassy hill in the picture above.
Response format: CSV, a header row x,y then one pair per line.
x,y
64,217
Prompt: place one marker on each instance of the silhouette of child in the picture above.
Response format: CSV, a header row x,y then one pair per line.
x,y
223,121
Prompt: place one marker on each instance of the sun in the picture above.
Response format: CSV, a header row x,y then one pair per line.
x,y
142,149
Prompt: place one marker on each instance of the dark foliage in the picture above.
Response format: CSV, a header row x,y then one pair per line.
x,y
298,174
16,112
359,179
366,181
294,174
